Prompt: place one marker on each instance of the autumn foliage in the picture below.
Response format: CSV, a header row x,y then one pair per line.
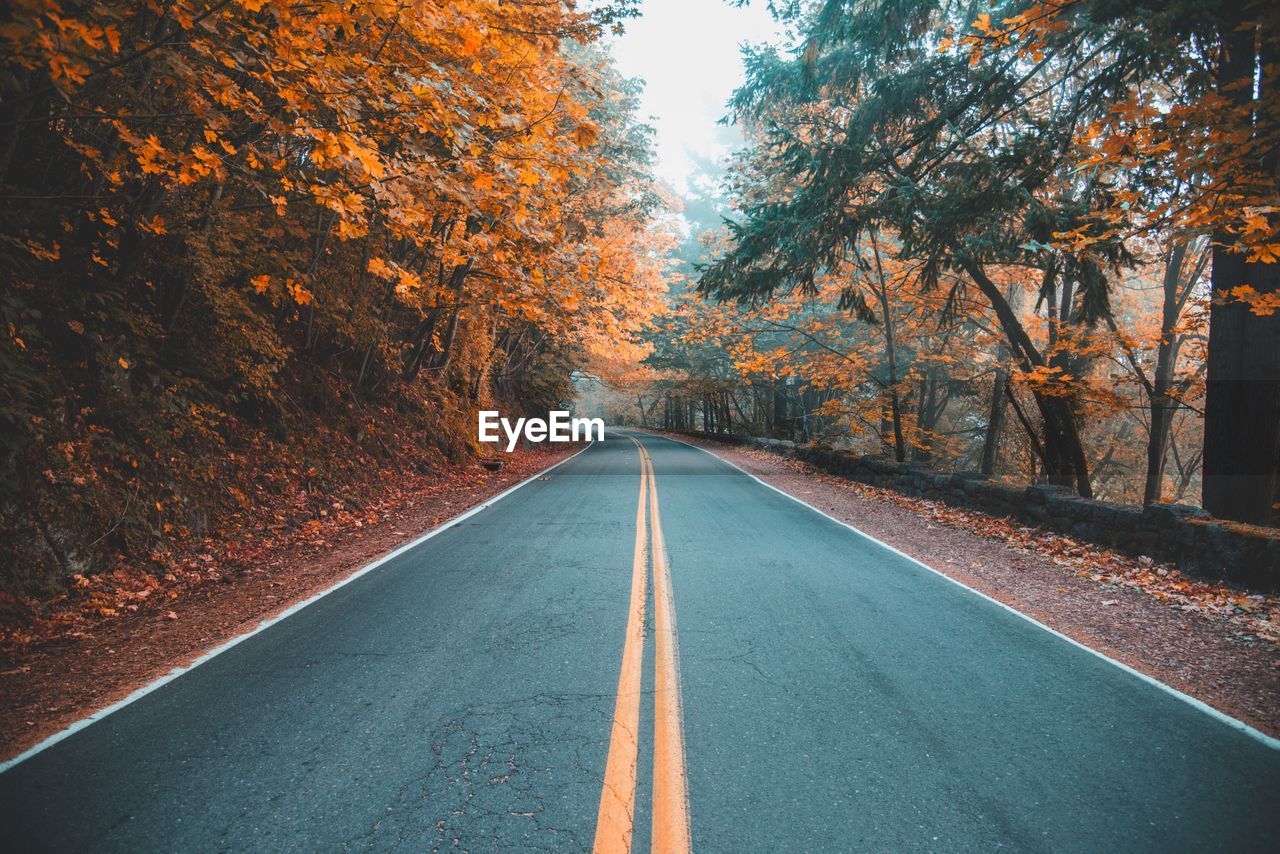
x,y
258,248
1038,240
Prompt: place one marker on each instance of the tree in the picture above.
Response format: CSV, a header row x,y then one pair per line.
x,y
883,126
262,241
1030,144
1191,146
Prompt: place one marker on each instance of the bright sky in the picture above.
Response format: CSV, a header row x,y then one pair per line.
x,y
687,53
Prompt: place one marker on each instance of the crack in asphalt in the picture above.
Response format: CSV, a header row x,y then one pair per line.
x,y
504,771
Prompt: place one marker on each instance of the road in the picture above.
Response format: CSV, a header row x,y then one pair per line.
x,y
514,683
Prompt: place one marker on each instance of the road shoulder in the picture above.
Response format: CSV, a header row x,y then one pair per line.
x,y
1221,655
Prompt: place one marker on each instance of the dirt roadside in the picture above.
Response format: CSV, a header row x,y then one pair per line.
x,y
47,685
1217,644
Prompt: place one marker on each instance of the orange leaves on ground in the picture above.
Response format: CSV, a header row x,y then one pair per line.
x,y
267,535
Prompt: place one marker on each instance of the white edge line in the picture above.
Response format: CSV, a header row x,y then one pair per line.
x,y
1234,723
271,621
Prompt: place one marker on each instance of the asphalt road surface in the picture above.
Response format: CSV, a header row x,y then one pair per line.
x,y
665,655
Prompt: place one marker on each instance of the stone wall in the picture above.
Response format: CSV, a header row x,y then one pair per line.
x,y
1173,533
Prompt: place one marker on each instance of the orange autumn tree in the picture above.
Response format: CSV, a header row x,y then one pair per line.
x,y
331,229
884,374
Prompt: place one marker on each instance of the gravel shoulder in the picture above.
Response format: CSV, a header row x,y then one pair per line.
x,y
48,684
1224,655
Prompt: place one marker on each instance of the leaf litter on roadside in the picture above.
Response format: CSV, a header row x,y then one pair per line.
x,y
264,536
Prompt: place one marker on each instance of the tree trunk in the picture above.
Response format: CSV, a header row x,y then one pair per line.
x,y
422,341
1242,399
1063,451
441,359
1162,404
890,353
779,412
995,424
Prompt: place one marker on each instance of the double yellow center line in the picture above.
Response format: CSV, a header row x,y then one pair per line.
x,y
616,819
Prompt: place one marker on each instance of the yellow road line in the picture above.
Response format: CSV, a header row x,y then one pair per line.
x,y
615,821
616,817
670,783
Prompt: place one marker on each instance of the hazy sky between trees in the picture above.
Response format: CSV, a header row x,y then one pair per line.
x,y
687,52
